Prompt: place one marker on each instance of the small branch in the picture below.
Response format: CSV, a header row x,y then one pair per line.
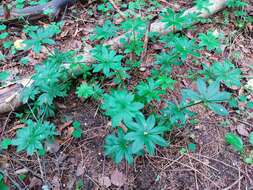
x,y
118,9
5,173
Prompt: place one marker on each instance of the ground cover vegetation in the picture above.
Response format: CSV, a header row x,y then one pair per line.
x,y
142,111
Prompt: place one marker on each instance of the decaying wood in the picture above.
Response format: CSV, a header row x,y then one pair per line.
x,y
33,12
10,94
159,27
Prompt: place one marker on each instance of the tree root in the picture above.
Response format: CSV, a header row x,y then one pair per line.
x,y
10,94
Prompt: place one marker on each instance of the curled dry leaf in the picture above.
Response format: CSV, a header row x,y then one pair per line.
x,y
118,178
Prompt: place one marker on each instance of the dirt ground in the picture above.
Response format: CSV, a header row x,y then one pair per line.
x,y
214,165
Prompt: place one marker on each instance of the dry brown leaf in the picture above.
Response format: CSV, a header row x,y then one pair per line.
x,y
118,178
80,169
241,129
105,181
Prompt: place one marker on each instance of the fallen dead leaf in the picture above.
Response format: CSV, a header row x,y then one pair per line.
x,y
56,183
80,169
105,181
241,129
118,178
52,147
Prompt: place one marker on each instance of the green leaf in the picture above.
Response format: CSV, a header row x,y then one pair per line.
x,y
118,147
192,147
4,75
218,108
121,107
77,133
210,41
251,138
107,60
148,91
85,91
107,31
3,35
32,137
3,186
235,141
6,142
145,134
2,27
225,72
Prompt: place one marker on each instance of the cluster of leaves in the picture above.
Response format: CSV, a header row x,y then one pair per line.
x,y
49,82
31,137
242,17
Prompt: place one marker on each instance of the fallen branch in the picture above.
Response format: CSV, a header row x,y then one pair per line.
x,y
33,12
14,90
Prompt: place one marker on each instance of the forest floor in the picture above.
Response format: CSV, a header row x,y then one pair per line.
x,y
71,162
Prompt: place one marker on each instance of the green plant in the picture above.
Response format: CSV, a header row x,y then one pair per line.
x,y
118,147
148,91
184,47
41,36
107,31
210,41
209,96
32,137
237,144
77,133
3,186
177,21
3,34
239,11
121,106
144,134
202,4
235,141
223,72
107,60
50,81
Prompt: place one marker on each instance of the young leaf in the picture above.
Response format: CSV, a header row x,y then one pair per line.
x,y
235,141
6,142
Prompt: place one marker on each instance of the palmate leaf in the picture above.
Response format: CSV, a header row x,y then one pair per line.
x,y
227,73
121,107
107,31
118,148
178,21
184,47
208,95
145,135
107,60
210,41
148,91
31,137
85,91
224,72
